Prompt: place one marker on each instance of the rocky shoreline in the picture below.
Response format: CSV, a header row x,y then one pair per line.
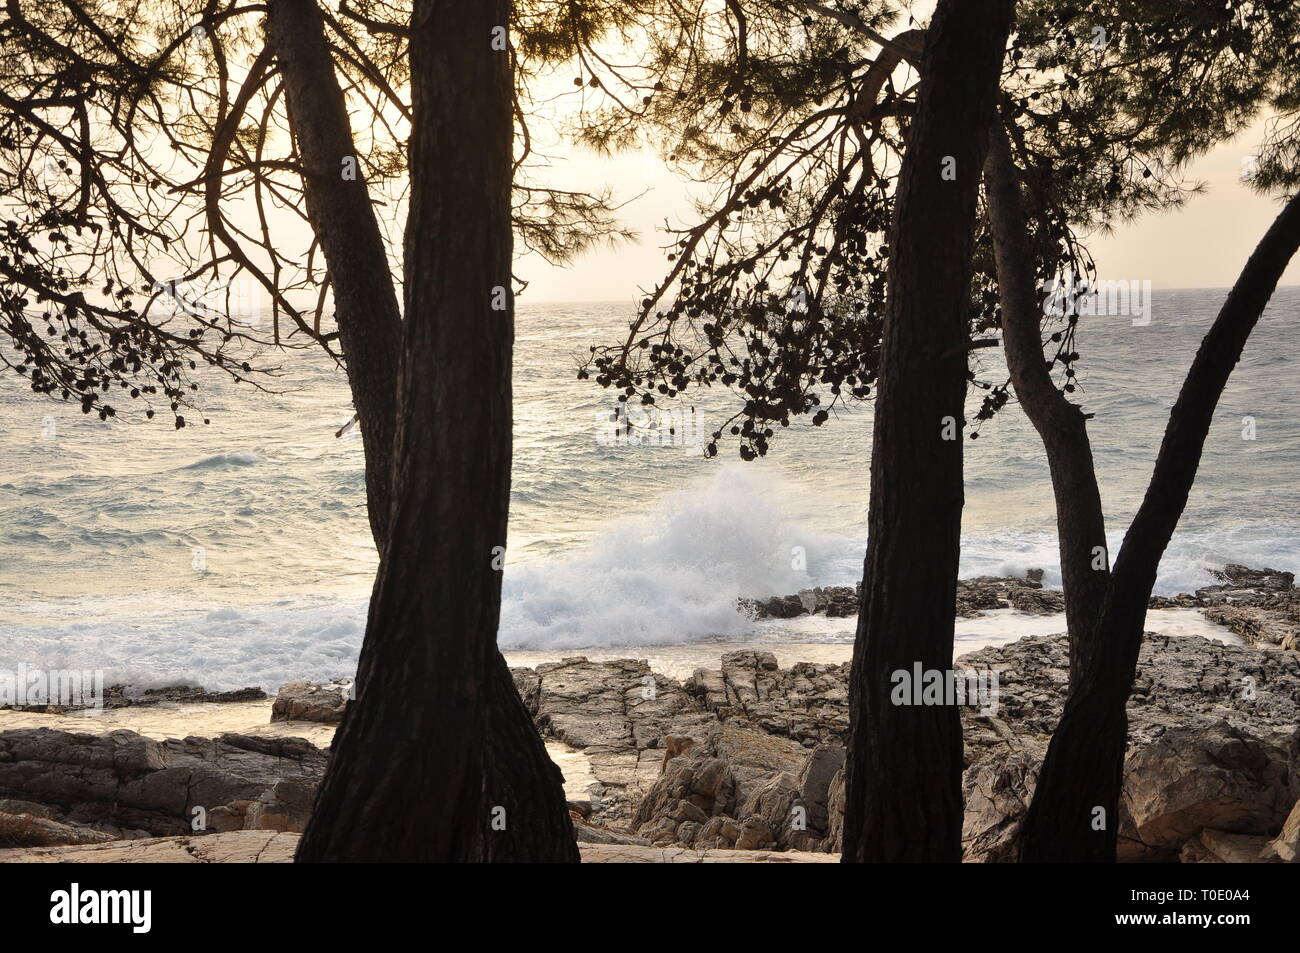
x,y
1260,605
745,757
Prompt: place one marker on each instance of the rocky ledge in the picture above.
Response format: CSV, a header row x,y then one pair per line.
x,y
259,847
750,755
1260,605
61,787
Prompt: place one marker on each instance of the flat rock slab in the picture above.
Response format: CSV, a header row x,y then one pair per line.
x,y
269,847
236,847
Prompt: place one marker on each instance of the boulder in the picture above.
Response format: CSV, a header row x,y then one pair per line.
x,y
1222,847
304,701
126,785
1286,846
1209,777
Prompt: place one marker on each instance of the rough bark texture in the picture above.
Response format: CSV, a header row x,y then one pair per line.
x,y
1084,763
1061,425
904,768
419,768
365,303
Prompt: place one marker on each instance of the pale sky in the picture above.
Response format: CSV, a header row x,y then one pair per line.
x,y
1202,246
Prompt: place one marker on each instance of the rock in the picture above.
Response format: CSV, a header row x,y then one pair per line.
x,y
125,784
127,696
1036,601
1191,695
602,854
286,806
974,596
28,830
1241,582
586,834
1221,847
736,787
1208,777
807,702
1260,605
620,715
303,701
1286,846
238,847
997,792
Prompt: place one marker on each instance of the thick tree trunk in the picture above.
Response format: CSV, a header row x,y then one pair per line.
x,y
1061,425
338,205
419,768
1074,812
905,762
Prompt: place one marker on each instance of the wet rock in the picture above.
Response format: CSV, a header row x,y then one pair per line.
x,y
974,597
127,696
304,701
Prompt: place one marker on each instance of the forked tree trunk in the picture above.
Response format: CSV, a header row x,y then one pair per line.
x,y
1075,810
1061,425
904,769
421,770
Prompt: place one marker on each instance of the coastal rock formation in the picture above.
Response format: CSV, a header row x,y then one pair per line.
x,y
1260,605
304,701
974,597
125,785
749,756
807,702
126,696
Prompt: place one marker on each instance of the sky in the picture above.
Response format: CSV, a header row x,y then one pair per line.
x,y
1203,245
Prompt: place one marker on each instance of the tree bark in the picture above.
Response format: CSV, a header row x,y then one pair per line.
x,y
1081,778
423,764
905,762
1061,425
366,309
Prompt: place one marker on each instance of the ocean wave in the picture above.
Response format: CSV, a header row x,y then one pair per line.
x,y
225,461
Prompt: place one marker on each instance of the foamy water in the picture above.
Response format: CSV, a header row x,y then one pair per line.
x,y
239,553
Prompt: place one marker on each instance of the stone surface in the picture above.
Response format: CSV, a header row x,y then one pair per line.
x,y
1215,777
1212,728
127,785
1221,847
268,847
974,597
127,696
239,847
1286,846
304,701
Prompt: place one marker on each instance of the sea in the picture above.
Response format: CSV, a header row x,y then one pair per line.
x,y
239,553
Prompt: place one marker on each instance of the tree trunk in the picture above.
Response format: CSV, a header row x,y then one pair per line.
x,y
418,771
1074,812
338,205
905,762
1061,425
